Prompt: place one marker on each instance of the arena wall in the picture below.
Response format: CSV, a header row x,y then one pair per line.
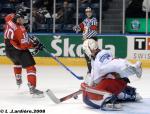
x,y
68,48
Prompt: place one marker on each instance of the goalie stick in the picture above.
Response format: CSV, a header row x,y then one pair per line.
x,y
111,107
57,100
75,94
72,95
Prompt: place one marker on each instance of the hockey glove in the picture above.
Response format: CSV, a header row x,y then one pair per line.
x,y
39,46
34,40
77,28
36,49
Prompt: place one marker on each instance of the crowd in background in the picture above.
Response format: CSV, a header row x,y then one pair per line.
x,y
65,12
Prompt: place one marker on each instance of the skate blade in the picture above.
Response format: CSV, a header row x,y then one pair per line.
x,y
38,96
19,86
112,107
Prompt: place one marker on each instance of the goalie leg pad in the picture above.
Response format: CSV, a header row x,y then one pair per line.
x,y
114,86
99,96
108,104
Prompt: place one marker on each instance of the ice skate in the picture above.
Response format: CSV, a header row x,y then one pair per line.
x,y
136,69
110,104
35,92
112,107
138,66
138,97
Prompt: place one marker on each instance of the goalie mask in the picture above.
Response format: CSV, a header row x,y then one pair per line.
x,y
90,46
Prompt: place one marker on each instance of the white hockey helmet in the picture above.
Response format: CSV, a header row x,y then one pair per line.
x,y
88,46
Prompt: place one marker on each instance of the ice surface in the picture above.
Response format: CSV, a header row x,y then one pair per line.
x,y
62,83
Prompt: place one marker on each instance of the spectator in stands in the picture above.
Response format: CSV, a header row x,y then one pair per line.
x,y
68,13
146,5
44,3
64,14
42,11
135,9
38,17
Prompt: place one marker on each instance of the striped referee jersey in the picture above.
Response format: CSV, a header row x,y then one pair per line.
x,y
89,27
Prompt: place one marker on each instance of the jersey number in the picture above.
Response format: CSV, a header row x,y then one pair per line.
x,y
105,56
9,33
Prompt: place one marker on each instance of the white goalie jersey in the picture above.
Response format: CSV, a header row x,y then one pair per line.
x,y
102,58
104,64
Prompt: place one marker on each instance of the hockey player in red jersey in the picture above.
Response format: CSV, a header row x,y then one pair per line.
x,y
107,83
18,43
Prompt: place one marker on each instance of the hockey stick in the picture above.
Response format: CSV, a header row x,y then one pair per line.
x,y
34,38
57,100
106,96
78,77
73,95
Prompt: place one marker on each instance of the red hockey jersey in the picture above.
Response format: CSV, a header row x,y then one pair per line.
x,y
16,33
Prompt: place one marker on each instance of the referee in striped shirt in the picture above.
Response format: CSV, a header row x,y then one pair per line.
x,y
89,29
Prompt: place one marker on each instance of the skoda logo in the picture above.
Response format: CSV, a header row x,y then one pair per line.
x,y
135,25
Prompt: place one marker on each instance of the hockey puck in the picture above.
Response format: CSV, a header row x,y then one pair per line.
x,y
75,97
